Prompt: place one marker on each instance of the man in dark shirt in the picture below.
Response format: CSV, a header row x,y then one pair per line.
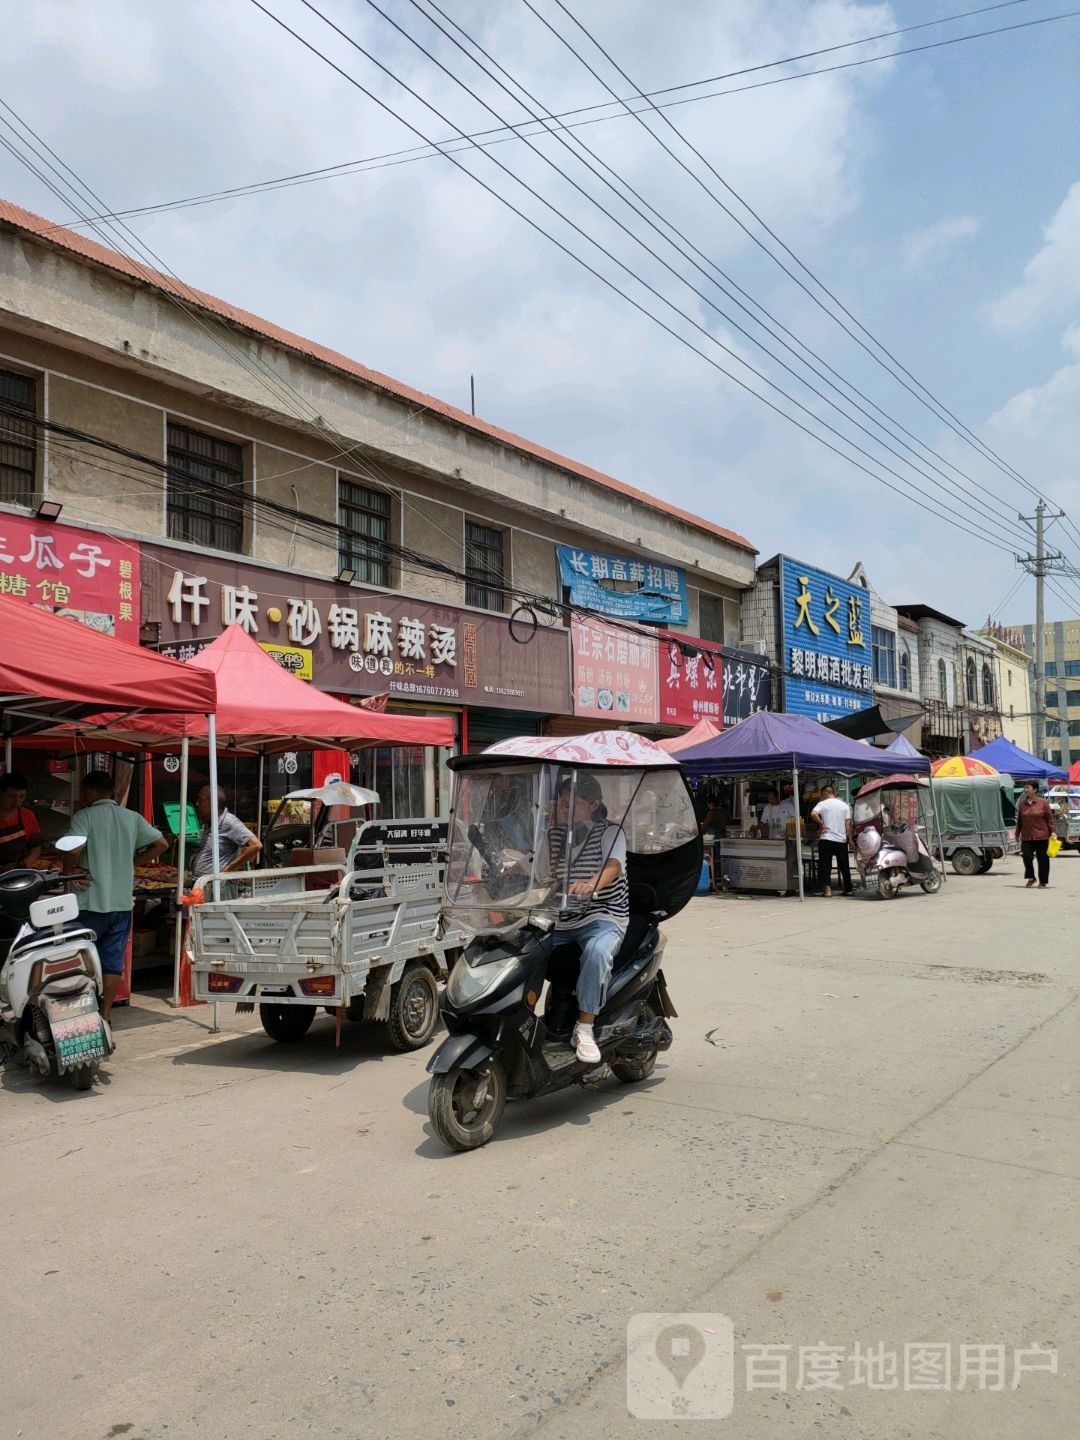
x,y
1035,823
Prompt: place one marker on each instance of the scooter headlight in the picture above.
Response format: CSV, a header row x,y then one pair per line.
x,y
467,983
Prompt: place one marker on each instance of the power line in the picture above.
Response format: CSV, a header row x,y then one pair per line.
x,y
927,504
498,136
930,401
688,254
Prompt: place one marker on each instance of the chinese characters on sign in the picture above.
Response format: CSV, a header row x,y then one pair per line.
x,y
825,622
355,642
691,685
747,685
630,589
87,576
615,673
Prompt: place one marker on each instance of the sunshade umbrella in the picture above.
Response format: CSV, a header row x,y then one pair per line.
x,y
954,765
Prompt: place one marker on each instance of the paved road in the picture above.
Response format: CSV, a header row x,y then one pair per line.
x,y
865,1134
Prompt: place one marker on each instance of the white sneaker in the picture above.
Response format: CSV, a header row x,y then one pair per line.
x,y
585,1046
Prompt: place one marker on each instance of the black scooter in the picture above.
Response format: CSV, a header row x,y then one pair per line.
x,y
499,1048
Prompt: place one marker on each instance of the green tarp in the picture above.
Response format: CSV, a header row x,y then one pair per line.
x,y
969,804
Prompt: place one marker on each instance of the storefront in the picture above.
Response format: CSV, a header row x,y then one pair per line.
x,y
490,671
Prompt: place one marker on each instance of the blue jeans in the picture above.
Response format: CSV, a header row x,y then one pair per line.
x,y
599,941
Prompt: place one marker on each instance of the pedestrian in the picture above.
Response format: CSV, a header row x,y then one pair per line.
x,y
595,868
115,840
775,815
834,817
236,844
20,833
1035,824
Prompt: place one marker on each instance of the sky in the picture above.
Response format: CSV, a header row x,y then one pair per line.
x,y
936,196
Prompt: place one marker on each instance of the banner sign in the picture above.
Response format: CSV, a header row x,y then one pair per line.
x,y
358,642
615,673
627,589
825,649
691,685
83,574
747,685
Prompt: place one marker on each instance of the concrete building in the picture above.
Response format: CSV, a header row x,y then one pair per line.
x,y
1061,640
1013,673
957,670
271,481
894,660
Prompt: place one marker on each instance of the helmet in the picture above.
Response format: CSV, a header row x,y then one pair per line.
x,y
868,843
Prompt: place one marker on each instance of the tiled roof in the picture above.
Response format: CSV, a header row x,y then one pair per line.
x,y
43,230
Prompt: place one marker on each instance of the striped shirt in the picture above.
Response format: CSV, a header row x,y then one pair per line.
x,y
602,843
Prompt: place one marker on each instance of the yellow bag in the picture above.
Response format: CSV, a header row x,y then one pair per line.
x,y
1053,846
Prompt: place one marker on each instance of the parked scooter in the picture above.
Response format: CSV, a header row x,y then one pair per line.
x,y
889,847
513,893
50,980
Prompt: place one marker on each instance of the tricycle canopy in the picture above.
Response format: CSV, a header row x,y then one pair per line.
x,y
528,815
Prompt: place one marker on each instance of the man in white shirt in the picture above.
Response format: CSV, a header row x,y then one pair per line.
x,y
834,817
775,816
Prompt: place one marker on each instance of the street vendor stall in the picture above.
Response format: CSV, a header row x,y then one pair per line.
x,y
781,748
261,709
1009,759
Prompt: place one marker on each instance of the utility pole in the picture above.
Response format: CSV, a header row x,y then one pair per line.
x,y
1040,565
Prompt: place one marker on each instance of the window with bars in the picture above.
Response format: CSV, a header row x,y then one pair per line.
x,y
18,438
485,567
201,468
364,517
711,617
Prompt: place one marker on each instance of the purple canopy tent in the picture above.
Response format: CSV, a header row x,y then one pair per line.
x,y
771,744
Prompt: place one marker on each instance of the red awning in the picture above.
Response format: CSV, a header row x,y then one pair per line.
x,y
260,706
52,667
697,735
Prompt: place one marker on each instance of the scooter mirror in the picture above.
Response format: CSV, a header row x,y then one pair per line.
x,y
68,843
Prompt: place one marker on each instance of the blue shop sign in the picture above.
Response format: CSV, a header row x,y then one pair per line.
x,y
825,654
629,589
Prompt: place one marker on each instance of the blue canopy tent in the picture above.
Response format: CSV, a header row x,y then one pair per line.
x,y
770,744
1009,759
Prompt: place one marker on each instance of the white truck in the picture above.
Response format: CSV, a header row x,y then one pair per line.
x,y
358,934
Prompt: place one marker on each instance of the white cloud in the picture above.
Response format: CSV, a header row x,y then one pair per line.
x,y
934,240
1051,284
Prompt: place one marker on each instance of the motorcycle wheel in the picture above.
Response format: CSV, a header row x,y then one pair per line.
x,y
932,884
286,1023
631,1072
82,1077
886,890
456,1119
414,1009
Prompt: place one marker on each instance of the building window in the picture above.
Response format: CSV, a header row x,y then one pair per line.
x,y
987,686
883,654
1009,673
905,668
201,467
1072,667
711,618
364,518
942,681
1050,668
971,688
1072,697
485,567
18,438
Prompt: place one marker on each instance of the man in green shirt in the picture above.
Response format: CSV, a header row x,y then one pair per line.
x,y
115,839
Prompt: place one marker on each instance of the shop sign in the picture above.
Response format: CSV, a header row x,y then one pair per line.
x,y
356,642
825,633
629,589
82,574
615,673
747,685
691,685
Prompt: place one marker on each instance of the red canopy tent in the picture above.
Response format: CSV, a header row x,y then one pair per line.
x,y
1074,773
261,708
702,731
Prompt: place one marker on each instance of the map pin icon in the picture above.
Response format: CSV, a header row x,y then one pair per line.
x,y
680,1349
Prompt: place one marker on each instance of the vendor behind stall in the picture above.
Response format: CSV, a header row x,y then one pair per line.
x,y
236,844
20,833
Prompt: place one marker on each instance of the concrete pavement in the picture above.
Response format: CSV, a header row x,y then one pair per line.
x,y
864,1135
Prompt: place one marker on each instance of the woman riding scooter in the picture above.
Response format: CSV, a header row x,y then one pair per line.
x,y
598,874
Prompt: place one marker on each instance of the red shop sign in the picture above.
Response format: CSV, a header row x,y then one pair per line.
x,y
83,574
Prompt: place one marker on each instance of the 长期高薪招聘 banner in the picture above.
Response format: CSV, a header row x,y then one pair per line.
x,y
624,588
825,643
